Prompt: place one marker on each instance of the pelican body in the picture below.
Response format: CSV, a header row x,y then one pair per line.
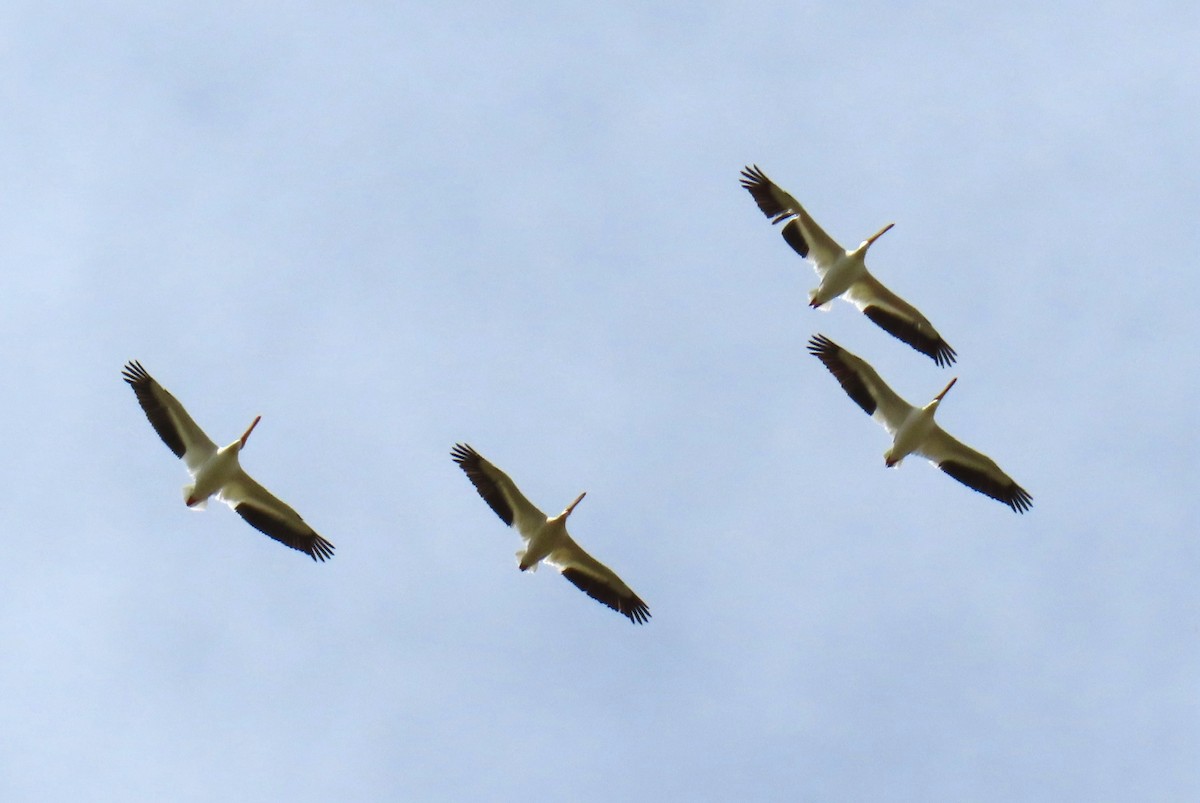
x,y
847,269
844,273
217,472
546,538
914,430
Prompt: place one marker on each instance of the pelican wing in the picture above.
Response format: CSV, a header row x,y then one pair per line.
x,y
266,513
501,493
800,231
900,319
597,581
169,418
974,469
861,383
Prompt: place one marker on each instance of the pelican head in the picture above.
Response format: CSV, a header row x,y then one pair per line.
x,y
889,460
245,435
571,506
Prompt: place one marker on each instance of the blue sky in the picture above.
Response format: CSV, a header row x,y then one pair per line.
x,y
391,227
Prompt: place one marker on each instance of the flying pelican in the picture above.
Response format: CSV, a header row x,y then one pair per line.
x,y
546,538
216,471
914,430
844,273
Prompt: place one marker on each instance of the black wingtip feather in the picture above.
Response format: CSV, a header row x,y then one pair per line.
x,y
830,354
322,550
469,461
133,373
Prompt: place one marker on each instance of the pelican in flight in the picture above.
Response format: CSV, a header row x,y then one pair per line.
x,y
913,428
216,471
546,538
844,273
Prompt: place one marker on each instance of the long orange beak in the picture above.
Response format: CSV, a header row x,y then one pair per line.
x,y
879,233
571,506
246,434
945,390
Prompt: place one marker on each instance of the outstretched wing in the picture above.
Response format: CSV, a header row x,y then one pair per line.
x,y
169,418
501,493
266,513
861,383
800,231
598,581
974,469
901,320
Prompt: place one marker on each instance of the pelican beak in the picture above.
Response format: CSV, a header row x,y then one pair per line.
x,y
945,390
879,234
246,434
571,506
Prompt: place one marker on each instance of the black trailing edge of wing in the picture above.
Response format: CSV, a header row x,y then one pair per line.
x,y
794,237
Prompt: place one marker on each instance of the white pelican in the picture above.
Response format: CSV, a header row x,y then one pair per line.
x,y
844,273
546,538
913,428
216,471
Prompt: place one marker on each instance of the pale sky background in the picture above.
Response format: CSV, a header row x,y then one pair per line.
x,y
388,227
